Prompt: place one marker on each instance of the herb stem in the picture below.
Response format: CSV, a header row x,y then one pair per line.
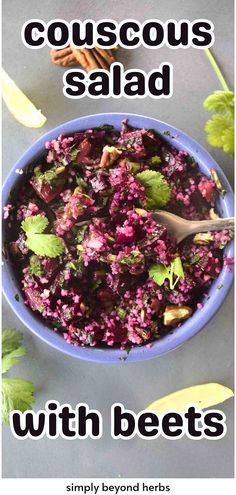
x,y
217,69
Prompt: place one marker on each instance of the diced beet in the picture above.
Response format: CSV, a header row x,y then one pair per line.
x,y
155,304
50,265
84,151
105,295
48,191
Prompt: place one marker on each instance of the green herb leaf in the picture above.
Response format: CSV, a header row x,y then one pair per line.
x,y
135,256
17,394
81,231
195,259
159,273
154,160
178,267
96,284
76,265
81,183
41,244
228,140
35,224
74,150
51,175
11,340
45,245
216,127
35,266
12,348
157,189
220,128
11,358
219,101
121,313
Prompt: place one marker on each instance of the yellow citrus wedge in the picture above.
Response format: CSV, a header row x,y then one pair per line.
x,y
19,105
200,396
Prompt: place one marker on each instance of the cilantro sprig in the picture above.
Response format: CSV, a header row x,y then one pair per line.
x,y
17,393
220,128
41,244
157,189
173,272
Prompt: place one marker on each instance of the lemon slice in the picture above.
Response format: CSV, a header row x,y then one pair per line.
x,y
19,105
200,396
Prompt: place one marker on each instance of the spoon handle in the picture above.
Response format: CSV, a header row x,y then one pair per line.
x,y
209,225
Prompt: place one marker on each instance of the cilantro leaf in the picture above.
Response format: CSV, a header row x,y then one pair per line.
x,y
41,244
228,140
16,394
35,224
159,273
35,266
12,348
215,128
178,267
45,244
219,101
157,189
11,358
220,128
11,340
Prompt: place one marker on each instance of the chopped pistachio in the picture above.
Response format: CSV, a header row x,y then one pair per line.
x,y
203,238
142,314
109,155
175,314
217,181
140,211
79,247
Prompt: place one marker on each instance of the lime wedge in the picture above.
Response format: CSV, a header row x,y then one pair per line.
x,y
19,105
200,396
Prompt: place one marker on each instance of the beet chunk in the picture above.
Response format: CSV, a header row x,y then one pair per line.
x,y
49,188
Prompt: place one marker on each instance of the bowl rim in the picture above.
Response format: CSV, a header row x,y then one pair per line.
x,y
173,339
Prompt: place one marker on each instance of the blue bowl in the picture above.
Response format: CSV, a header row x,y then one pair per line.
x,y
178,336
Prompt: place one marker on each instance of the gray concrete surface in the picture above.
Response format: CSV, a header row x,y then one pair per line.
x,y
209,355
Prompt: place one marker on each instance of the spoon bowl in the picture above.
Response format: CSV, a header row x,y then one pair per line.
x,y
182,228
